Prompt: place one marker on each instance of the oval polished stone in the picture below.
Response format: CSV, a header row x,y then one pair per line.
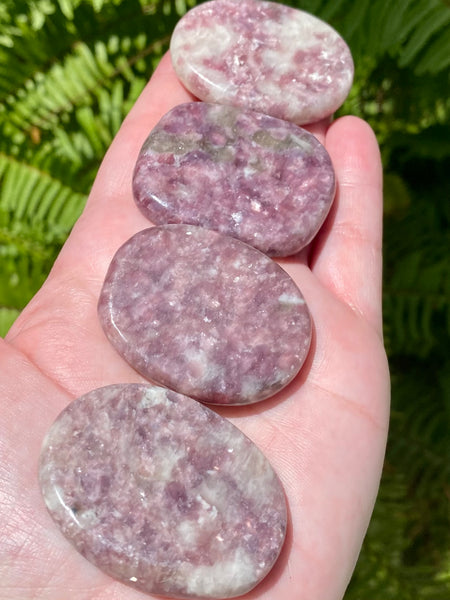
x,y
263,180
162,493
262,56
204,314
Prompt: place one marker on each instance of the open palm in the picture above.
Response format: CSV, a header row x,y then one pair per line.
x,y
324,434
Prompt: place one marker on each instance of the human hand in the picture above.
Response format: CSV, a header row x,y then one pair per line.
x,y
324,434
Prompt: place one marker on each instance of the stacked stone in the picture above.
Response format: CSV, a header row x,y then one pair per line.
x,y
149,484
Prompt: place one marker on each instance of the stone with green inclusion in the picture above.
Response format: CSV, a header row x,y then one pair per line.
x,y
260,179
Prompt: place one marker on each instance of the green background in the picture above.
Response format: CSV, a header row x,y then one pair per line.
x,y
69,72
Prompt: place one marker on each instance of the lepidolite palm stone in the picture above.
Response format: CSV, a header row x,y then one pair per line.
x,y
163,494
262,56
204,314
245,174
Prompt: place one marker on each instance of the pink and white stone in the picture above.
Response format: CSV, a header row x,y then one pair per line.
x,y
162,493
204,314
263,180
262,56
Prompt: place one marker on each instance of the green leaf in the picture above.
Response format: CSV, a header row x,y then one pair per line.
x,y
433,22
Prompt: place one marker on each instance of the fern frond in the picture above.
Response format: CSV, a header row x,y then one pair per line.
x,y
437,54
405,550
63,88
79,88
403,30
52,203
28,50
392,30
28,47
416,299
36,215
357,15
435,20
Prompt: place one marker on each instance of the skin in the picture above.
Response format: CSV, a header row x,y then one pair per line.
x,y
325,434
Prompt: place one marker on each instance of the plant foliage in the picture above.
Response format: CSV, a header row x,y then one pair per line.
x,y
70,70
69,73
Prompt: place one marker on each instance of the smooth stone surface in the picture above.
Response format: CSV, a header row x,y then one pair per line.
x,y
204,314
162,493
262,56
260,179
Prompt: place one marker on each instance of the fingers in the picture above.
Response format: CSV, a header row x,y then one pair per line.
x,y
346,256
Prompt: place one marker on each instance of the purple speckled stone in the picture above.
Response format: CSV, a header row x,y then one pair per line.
x,y
204,314
245,174
162,493
262,56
